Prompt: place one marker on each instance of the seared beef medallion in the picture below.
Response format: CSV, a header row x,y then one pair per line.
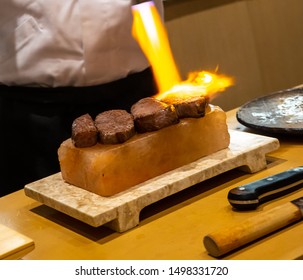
x,y
151,114
115,126
84,132
191,107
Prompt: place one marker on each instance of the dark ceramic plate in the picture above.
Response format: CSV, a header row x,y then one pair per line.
x,y
280,112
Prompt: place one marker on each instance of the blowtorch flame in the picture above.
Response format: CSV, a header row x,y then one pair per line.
x,y
149,31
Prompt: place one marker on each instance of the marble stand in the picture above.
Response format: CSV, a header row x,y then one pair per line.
x,y
121,211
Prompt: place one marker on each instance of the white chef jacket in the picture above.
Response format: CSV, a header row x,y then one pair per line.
x,y
67,42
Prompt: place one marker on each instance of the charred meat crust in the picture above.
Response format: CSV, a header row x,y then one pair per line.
x,y
114,126
148,114
84,132
192,107
151,114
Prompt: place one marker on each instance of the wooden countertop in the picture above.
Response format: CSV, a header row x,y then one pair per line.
x,y
172,228
13,245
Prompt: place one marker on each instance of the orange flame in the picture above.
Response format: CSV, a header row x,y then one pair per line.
x,y
151,35
201,83
149,31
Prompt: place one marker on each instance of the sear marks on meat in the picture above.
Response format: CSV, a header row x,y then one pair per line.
x,y
84,132
191,107
151,114
148,114
115,126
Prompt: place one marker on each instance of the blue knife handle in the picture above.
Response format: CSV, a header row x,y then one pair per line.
x,y
250,196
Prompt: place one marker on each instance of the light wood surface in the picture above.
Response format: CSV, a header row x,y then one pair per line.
x,y
13,245
170,229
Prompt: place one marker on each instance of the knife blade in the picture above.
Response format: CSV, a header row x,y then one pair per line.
x,y
250,196
228,239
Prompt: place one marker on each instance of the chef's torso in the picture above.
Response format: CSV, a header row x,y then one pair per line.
x,y
67,42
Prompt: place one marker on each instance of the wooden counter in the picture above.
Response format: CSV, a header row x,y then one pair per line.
x,y
172,228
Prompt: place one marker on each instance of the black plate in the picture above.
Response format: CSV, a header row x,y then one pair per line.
x,y
280,112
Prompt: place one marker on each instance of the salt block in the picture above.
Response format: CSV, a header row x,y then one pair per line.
x,y
109,169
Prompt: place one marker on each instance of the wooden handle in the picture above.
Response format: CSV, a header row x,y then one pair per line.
x,y
225,240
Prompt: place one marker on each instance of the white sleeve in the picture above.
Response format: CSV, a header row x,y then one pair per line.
x,y
68,43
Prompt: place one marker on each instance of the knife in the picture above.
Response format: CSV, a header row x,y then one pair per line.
x,y
250,196
228,239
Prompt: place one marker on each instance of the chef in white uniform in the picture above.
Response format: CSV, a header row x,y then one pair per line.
x,y
58,60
